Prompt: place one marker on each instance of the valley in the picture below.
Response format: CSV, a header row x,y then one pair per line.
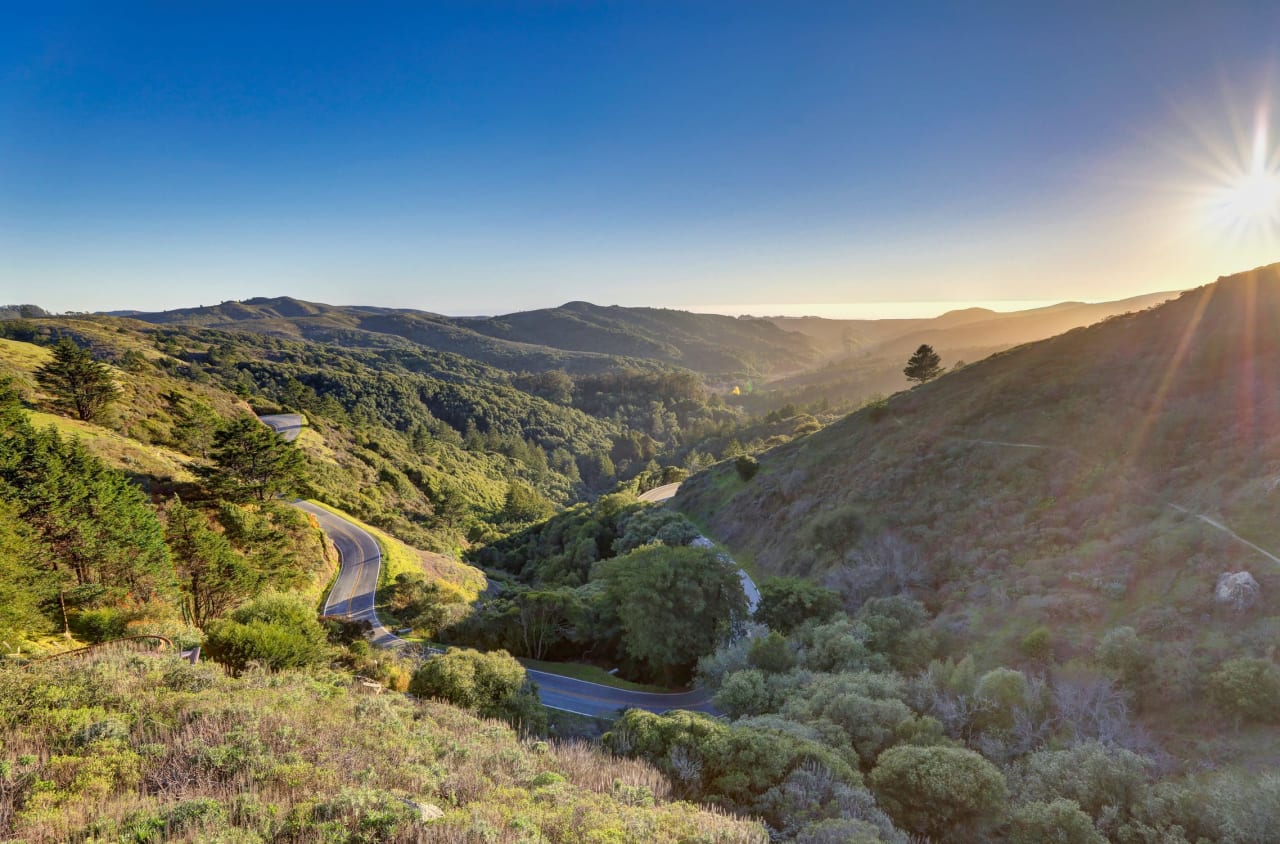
x,y
1003,573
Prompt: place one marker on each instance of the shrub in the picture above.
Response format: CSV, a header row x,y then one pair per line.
x,y
938,791
746,466
101,625
1038,644
277,631
1248,689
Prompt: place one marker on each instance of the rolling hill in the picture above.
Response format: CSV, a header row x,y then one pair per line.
x,y
577,337
1105,477
864,358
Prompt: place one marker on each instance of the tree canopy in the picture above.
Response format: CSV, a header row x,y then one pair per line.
x,y
924,365
79,382
673,605
251,462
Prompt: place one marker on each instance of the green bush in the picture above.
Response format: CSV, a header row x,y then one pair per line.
x,y
100,625
277,631
941,792
1248,689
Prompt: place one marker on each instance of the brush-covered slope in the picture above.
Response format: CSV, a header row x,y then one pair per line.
x,y
708,343
577,337
1061,483
865,357
145,748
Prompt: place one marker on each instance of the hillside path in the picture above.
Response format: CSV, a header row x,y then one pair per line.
x,y
1211,522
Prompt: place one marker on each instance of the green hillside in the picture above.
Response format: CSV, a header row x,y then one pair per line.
x,y
707,343
577,337
1059,485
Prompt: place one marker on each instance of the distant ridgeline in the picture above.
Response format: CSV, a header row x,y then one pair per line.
x,y
22,312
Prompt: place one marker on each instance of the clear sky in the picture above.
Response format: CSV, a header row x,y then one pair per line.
x,y
477,157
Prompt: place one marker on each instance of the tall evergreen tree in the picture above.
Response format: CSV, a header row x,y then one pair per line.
x,y
251,462
79,382
924,365
97,532
214,576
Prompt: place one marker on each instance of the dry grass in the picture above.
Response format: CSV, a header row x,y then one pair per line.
x,y
119,451
140,748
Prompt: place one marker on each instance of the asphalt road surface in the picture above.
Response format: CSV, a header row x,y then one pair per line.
x,y
355,588
353,596
287,425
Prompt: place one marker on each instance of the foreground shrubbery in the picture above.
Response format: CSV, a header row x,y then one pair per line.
x,y
142,749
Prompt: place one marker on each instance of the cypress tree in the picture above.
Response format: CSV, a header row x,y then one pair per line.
x,y
79,382
924,365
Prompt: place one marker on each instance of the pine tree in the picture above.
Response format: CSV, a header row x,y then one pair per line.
x,y
252,462
78,381
924,365
214,576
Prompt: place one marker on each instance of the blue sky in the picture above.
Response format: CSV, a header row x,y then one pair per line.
x,y
484,157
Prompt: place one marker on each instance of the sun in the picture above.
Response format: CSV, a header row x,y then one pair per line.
x,y
1247,199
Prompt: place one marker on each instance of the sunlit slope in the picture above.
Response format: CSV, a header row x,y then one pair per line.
x,y
709,343
1039,486
577,337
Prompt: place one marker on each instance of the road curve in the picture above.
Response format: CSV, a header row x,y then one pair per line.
x,y
666,493
583,698
360,561
287,425
354,594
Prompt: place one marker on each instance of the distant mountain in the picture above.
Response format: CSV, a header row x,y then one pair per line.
x,y
578,337
708,343
1107,476
378,328
864,358
581,337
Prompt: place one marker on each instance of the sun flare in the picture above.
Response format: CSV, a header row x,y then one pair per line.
x,y
1247,199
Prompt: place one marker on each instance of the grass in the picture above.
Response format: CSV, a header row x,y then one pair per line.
x,y
119,451
588,673
139,748
23,357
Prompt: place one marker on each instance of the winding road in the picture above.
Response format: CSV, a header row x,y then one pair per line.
x,y
287,425
354,593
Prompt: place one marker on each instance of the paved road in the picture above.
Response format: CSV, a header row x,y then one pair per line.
x,y
661,493
585,698
354,593
360,559
287,425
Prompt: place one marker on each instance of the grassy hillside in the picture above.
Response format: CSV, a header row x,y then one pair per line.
x,y
149,749
1056,485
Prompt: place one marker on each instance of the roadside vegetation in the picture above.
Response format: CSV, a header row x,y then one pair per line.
x,y
146,749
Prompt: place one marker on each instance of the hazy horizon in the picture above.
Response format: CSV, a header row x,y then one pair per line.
x,y
825,310
455,155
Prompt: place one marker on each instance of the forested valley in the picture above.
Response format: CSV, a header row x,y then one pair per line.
x,y
998,606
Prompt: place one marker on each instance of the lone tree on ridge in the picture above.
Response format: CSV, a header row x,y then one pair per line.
x,y
925,365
